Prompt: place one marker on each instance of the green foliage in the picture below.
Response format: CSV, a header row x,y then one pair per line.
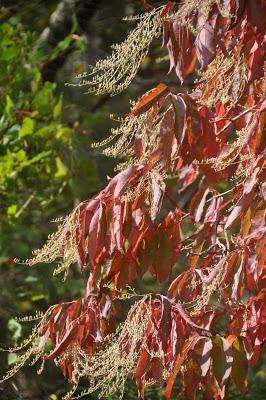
x,y
38,148
35,144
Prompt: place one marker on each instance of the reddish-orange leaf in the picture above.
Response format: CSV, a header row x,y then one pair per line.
x,y
149,99
178,364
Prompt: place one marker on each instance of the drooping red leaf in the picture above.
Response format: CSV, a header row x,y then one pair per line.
x,y
167,133
123,180
198,203
245,200
177,365
206,41
162,256
63,344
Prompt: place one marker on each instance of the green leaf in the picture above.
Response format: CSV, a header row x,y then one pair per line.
x,y
126,245
21,155
3,122
6,29
63,133
12,358
66,42
44,99
36,80
9,52
39,157
38,297
57,109
27,128
31,279
15,327
12,209
44,131
61,46
11,134
9,105
61,168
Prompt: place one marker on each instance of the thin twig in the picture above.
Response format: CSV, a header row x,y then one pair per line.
x,y
25,205
236,118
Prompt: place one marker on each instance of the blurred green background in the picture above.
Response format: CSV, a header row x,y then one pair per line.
x,y
46,163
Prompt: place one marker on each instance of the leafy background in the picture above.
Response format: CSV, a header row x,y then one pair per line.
x,y
46,163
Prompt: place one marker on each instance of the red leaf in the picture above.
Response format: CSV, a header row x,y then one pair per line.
x,y
244,202
143,257
126,274
162,256
181,50
166,135
205,42
178,364
142,367
156,370
97,233
149,99
173,288
257,13
197,204
186,318
70,334
123,179
180,113
117,224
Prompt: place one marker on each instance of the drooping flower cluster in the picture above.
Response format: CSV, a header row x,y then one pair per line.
x,y
115,73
